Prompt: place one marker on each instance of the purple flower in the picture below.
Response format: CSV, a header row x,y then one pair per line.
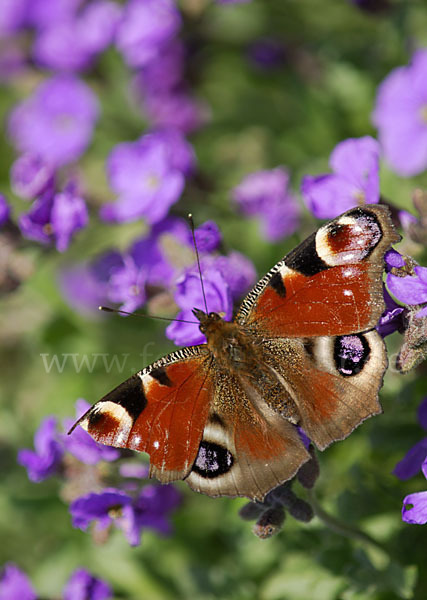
x,y
86,286
127,285
267,53
42,13
237,270
15,584
147,26
44,461
412,462
354,181
55,217
414,509
81,445
4,210
149,509
392,318
12,16
12,60
56,122
266,195
175,108
101,508
189,295
162,74
88,34
147,177
401,116
31,176
82,585
410,290
157,253
393,259
208,237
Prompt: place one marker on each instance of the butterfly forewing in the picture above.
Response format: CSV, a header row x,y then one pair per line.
x,y
331,284
162,410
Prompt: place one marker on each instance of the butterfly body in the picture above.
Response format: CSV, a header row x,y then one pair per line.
x,y
302,350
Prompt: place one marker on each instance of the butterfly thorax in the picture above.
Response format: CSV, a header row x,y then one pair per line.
x,y
232,348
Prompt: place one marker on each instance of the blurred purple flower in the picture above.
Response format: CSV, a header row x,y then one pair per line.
x,y
88,33
237,270
147,26
4,210
401,116
410,290
414,509
175,108
46,458
189,295
148,175
208,237
163,73
82,585
44,13
81,445
150,509
266,195
55,217
413,460
127,285
15,584
56,122
13,60
12,16
31,176
85,286
267,53
354,181
156,252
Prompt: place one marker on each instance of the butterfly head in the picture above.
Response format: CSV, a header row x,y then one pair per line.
x,y
207,321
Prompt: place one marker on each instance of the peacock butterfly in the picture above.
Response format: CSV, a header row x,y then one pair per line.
x,y
301,351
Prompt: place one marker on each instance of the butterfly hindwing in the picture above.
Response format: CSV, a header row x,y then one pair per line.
x,y
331,284
333,381
161,410
246,449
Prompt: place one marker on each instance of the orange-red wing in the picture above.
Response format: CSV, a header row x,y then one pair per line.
x,y
161,410
329,285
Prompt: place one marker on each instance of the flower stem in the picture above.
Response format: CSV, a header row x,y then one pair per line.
x,y
342,527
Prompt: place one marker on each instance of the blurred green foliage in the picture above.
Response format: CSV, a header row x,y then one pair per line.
x,y
294,114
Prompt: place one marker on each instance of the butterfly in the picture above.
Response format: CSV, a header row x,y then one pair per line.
x,y
302,351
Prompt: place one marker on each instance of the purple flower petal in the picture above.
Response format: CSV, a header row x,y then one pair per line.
x,y
189,295
81,445
31,176
393,258
82,585
46,457
400,119
266,194
98,507
409,290
35,224
69,215
414,509
147,26
127,285
237,270
208,237
411,464
355,179
14,584
392,318
57,121
4,210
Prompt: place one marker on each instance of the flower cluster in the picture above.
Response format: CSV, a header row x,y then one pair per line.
x,y
130,506
14,583
414,508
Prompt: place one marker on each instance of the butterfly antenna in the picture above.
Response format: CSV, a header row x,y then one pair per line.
x,y
136,314
190,219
